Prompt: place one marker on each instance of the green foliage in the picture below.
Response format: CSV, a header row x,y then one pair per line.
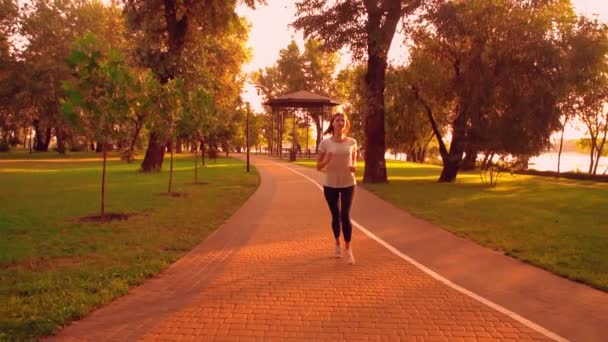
x,y
196,117
48,29
98,100
503,93
350,91
584,145
310,70
169,34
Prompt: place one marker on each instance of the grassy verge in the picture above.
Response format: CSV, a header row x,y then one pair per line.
x,y
21,154
559,225
54,269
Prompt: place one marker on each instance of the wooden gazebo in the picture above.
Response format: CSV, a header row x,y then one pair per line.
x,y
318,108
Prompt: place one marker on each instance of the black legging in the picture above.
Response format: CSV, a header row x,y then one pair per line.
x,y
340,214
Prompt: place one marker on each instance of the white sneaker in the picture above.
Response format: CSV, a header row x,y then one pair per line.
x,y
349,257
338,252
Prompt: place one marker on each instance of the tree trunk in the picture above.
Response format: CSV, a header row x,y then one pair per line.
x,y
470,159
155,154
380,29
411,155
176,29
203,152
195,164
103,184
30,139
600,148
24,135
421,155
39,138
178,146
561,145
592,154
375,164
138,127
318,123
47,139
171,165
60,140
452,161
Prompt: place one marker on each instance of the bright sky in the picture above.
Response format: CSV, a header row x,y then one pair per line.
x,y
270,33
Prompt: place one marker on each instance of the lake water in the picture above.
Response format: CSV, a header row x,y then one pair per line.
x,y
570,161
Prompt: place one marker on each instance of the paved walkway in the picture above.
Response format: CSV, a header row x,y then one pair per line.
x,y
267,274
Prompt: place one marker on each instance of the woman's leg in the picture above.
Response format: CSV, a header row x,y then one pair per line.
x,y
331,196
346,200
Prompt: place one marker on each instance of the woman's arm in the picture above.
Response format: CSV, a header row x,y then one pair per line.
x,y
323,159
353,160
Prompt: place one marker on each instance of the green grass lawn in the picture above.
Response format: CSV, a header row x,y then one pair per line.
x,y
54,269
559,225
22,154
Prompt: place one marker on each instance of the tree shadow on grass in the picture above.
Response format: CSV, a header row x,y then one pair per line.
x,y
107,218
173,194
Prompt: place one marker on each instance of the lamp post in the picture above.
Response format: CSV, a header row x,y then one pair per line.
x,y
247,136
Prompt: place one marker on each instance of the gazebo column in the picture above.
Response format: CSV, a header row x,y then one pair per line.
x,y
271,140
307,138
293,138
281,125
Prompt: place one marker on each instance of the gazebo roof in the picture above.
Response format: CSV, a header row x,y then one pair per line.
x,y
301,99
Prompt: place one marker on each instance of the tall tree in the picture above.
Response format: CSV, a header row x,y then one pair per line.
x,y
48,29
505,89
98,100
367,27
407,126
587,92
350,92
164,31
8,73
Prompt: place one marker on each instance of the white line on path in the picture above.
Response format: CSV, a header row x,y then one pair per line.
x,y
447,282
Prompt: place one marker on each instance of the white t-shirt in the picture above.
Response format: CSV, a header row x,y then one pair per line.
x,y
338,174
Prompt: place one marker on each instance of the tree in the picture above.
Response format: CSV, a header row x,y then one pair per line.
x,y
8,73
504,90
290,66
350,91
97,101
594,114
195,120
407,126
172,108
164,32
47,30
587,92
147,94
367,27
